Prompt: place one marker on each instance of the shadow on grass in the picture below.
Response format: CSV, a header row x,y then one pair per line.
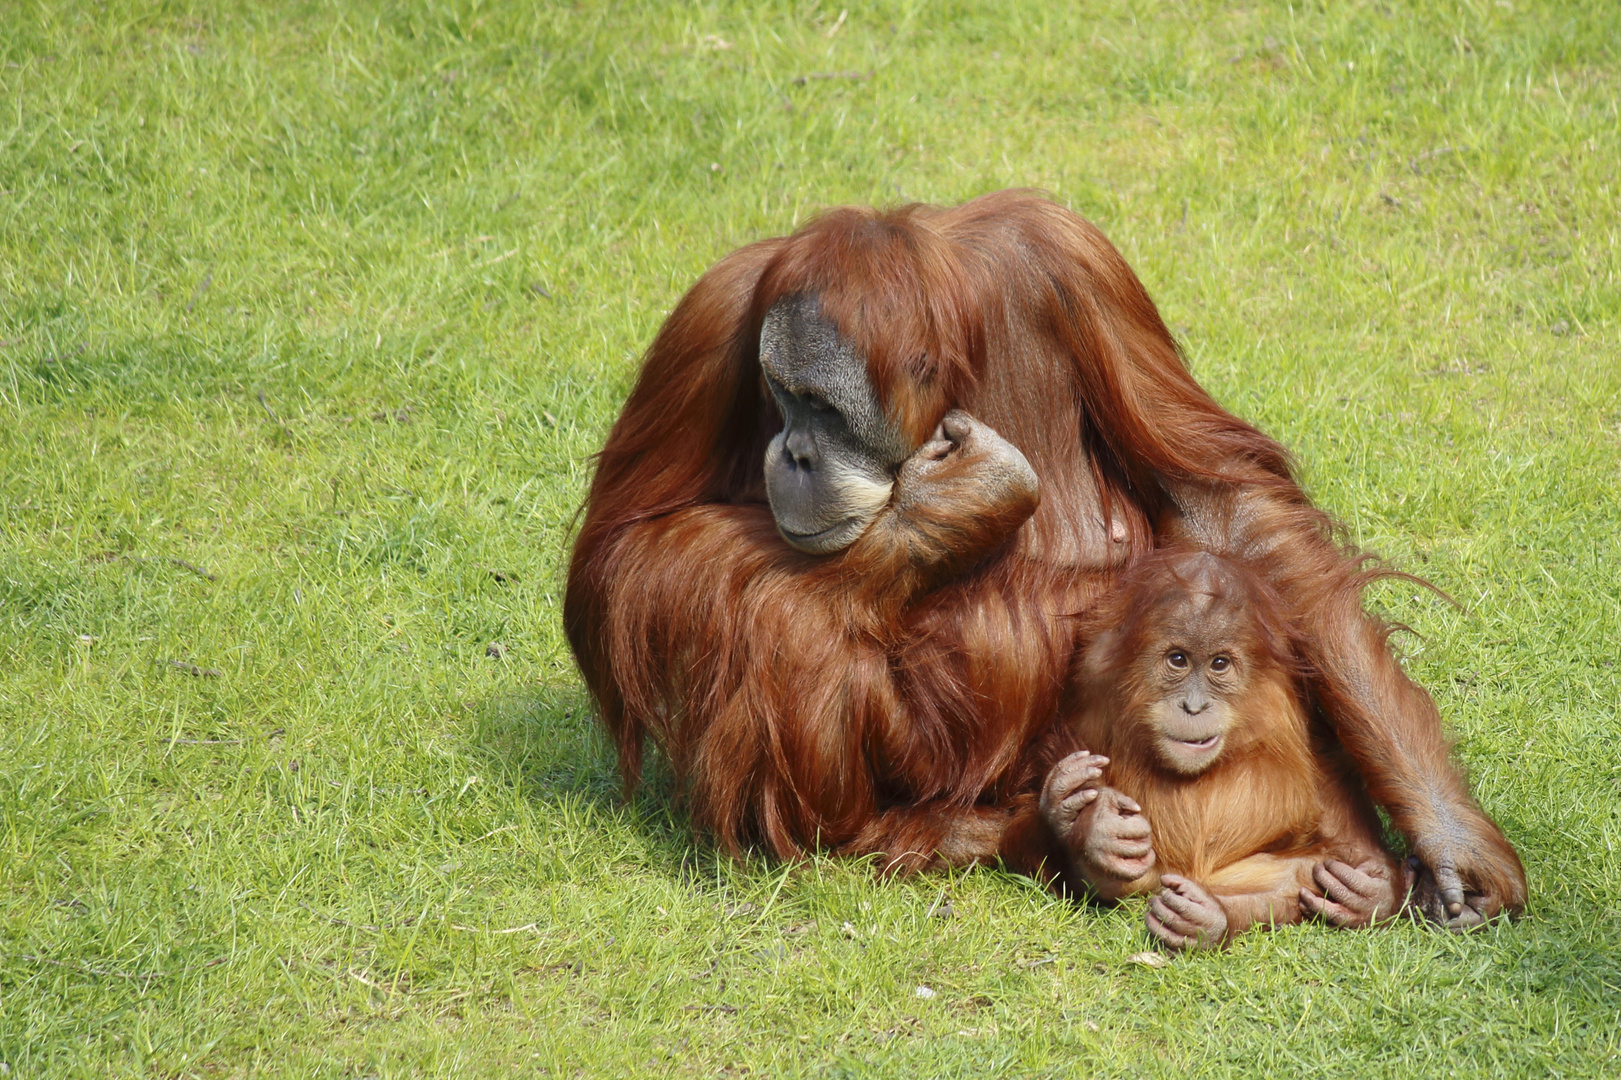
x,y
549,743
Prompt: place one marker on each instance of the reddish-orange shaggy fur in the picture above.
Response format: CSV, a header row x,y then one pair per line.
x,y
1283,797
809,702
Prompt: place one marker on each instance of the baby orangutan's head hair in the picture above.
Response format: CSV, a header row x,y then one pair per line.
x,y
1192,650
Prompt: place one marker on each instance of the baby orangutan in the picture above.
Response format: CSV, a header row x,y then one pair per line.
x,y
1224,799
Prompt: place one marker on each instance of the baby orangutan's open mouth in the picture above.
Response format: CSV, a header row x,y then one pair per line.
x,y
1191,756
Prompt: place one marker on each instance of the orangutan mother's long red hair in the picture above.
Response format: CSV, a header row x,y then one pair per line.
x,y
804,706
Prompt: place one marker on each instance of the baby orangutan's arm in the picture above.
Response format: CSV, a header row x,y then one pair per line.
x,y
1356,881
1105,835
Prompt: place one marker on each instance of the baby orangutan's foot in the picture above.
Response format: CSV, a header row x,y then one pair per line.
x,y
1352,896
1182,915
1070,788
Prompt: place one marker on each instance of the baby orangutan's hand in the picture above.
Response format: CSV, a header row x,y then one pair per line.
x,y
1103,831
1111,838
1070,788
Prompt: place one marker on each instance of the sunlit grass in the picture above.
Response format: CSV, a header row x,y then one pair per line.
x,y
311,316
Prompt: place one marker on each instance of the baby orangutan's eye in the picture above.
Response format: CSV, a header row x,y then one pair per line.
x,y
1220,663
1177,659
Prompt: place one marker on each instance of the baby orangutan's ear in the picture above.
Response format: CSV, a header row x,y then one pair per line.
x,y
1099,660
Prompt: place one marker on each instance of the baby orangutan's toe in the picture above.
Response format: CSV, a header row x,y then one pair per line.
x,y
1351,896
1182,915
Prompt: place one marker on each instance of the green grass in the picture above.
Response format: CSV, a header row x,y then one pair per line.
x,y
334,303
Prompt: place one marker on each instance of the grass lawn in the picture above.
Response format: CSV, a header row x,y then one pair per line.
x,y
311,316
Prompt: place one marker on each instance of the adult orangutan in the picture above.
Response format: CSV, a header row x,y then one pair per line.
x,y
814,567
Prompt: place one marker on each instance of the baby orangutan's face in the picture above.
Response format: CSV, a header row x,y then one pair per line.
x,y
1197,676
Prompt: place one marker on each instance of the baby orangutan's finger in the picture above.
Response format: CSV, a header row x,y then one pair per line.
x,y
1129,850
1176,902
1080,800
1166,916
1131,828
1169,937
1327,910
1186,909
1367,889
1342,882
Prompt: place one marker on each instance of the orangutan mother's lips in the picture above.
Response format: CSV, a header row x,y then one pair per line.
x,y
835,537
1200,744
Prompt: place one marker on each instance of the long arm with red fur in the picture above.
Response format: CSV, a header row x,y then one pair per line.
x,y
1388,723
1214,480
